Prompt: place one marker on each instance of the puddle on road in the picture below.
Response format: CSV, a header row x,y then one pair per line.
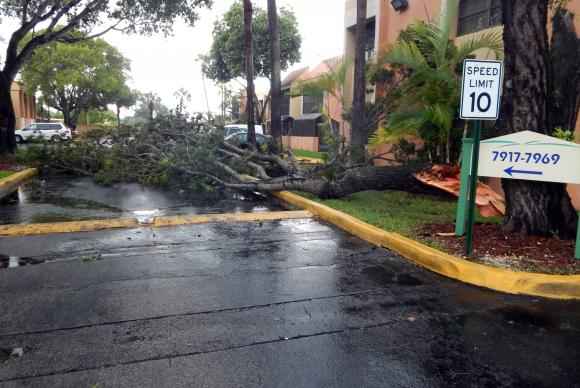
x,y
7,262
381,276
62,199
518,315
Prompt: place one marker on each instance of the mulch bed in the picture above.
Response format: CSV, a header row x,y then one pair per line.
x,y
7,167
493,247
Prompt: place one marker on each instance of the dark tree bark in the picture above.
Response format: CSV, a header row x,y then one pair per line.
x,y
359,132
532,207
353,181
565,61
66,116
250,89
7,116
275,80
118,116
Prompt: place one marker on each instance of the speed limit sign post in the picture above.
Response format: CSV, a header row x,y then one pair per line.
x,y
480,100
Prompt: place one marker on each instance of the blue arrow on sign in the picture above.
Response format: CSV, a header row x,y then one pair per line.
x,y
511,171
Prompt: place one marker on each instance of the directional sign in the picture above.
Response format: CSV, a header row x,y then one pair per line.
x,y
530,156
481,91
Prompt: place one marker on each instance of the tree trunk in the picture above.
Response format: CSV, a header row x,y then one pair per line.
x,y
118,117
532,207
565,61
353,181
276,81
250,89
359,132
7,116
67,118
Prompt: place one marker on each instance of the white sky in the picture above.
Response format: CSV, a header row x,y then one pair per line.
x,y
163,65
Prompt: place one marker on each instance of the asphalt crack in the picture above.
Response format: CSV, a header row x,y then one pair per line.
x,y
213,351
375,291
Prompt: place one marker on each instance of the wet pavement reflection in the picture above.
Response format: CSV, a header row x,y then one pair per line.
x,y
7,262
293,303
61,199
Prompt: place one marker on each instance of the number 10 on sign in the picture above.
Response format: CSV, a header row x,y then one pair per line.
x,y
481,90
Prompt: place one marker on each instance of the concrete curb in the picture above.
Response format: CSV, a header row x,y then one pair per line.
x,y
548,286
11,183
230,217
158,222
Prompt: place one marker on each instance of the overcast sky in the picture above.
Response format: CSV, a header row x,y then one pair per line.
x,y
163,65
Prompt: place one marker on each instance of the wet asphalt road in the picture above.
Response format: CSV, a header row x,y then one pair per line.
x,y
61,199
277,304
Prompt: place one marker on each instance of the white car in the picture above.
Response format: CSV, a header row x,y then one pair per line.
x,y
43,131
237,128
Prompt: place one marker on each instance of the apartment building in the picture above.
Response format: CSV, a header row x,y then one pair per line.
x,y
387,18
302,115
24,105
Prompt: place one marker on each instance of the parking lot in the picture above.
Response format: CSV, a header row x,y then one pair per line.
x,y
292,303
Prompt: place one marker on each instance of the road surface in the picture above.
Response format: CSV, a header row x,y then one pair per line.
x,y
275,304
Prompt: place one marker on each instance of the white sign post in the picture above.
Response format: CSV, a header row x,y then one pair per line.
x,y
481,91
480,100
530,156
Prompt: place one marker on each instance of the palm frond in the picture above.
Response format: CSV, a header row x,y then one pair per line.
x,y
404,54
492,41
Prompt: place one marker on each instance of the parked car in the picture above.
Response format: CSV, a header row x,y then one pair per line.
x,y
43,131
240,140
237,128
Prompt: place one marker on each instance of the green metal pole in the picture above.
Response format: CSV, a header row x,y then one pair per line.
x,y
578,240
473,189
460,217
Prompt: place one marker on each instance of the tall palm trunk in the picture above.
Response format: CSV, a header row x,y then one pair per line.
x,y
118,116
275,81
359,132
532,207
250,89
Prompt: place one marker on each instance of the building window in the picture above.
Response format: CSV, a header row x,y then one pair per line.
x,y
312,104
477,15
285,104
370,39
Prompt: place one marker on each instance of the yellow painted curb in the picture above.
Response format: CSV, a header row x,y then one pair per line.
x,y
232,217
9,184
66,227
128,223
549,286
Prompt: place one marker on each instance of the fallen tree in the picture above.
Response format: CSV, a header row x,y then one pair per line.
x,y
190,152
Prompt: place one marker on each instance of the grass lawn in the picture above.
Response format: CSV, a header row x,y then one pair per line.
x,y
406,214
309,154
4,174
396,211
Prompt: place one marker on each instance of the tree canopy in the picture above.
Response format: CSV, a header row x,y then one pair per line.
x,y
149,106
124,98
48,21
225,61
77,77
92,17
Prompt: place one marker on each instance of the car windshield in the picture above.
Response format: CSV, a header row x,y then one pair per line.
x,y
231,130
49,127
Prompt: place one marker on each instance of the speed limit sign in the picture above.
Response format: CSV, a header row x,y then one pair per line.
x,y
481,91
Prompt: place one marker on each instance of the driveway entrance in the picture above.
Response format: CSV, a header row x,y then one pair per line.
x,y
291,303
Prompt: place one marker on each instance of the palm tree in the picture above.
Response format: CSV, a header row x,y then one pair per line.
x,y
249,67
359,137
275,82
428,98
